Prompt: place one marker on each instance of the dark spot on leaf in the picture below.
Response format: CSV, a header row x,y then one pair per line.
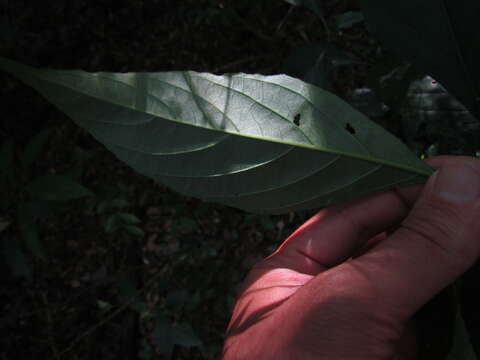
x,y
350,128
296,120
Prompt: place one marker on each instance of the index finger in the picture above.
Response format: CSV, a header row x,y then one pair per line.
x,y
332,235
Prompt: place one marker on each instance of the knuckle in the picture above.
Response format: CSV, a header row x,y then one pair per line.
x,y
445,229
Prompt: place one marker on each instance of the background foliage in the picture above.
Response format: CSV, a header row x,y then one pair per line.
x,y
128,269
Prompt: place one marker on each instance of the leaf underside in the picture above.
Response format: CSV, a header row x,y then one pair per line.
x,y
267,144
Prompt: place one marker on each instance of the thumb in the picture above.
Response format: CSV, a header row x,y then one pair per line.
x,y
436,242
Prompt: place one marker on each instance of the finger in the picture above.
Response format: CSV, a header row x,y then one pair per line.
x,y
370,244
334,234
436,242
410,193
328,238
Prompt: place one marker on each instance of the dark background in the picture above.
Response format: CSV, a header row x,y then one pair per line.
x,y
165,290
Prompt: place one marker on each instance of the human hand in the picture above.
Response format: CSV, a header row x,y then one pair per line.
x,y
347,282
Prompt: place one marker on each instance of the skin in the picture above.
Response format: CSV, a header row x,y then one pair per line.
x,y
346,284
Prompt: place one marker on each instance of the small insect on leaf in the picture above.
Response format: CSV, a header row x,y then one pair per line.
x,y
350,128
296,120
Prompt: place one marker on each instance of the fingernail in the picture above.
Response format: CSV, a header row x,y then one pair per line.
x,y
459,184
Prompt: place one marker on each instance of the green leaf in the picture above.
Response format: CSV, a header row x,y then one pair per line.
x,y
348,19
162,337
166,334
315,63
56,188
80,158
184,225
133,230
104,306
314,5
310,64
441,38
15,258
119,203
391,79
129,218
108,204
102,206
28,228
111,224
183,335
7,157
33,149
268,144
177,298
4,224
127,284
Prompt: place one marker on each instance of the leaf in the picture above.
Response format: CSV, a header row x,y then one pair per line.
x,y
119,203
183,335
4,224
80,158
391,79
432,119
33,149
441,38
314,5
366,100
311,65
462,348
56,188
28,228
133,230
166,334
116,203
184,225
270,144
162,337
315,63
7,158
104,306
127,284
111,224
15,258
348,19
177,298
41,209
129,218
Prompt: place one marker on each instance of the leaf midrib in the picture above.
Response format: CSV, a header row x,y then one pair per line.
x,y
316,147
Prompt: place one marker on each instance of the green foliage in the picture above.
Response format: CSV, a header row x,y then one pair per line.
x,y
441,38
166,335
25,198
110,206
56,188
348,19
317,63
314,5
33,150
302,134
269,144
